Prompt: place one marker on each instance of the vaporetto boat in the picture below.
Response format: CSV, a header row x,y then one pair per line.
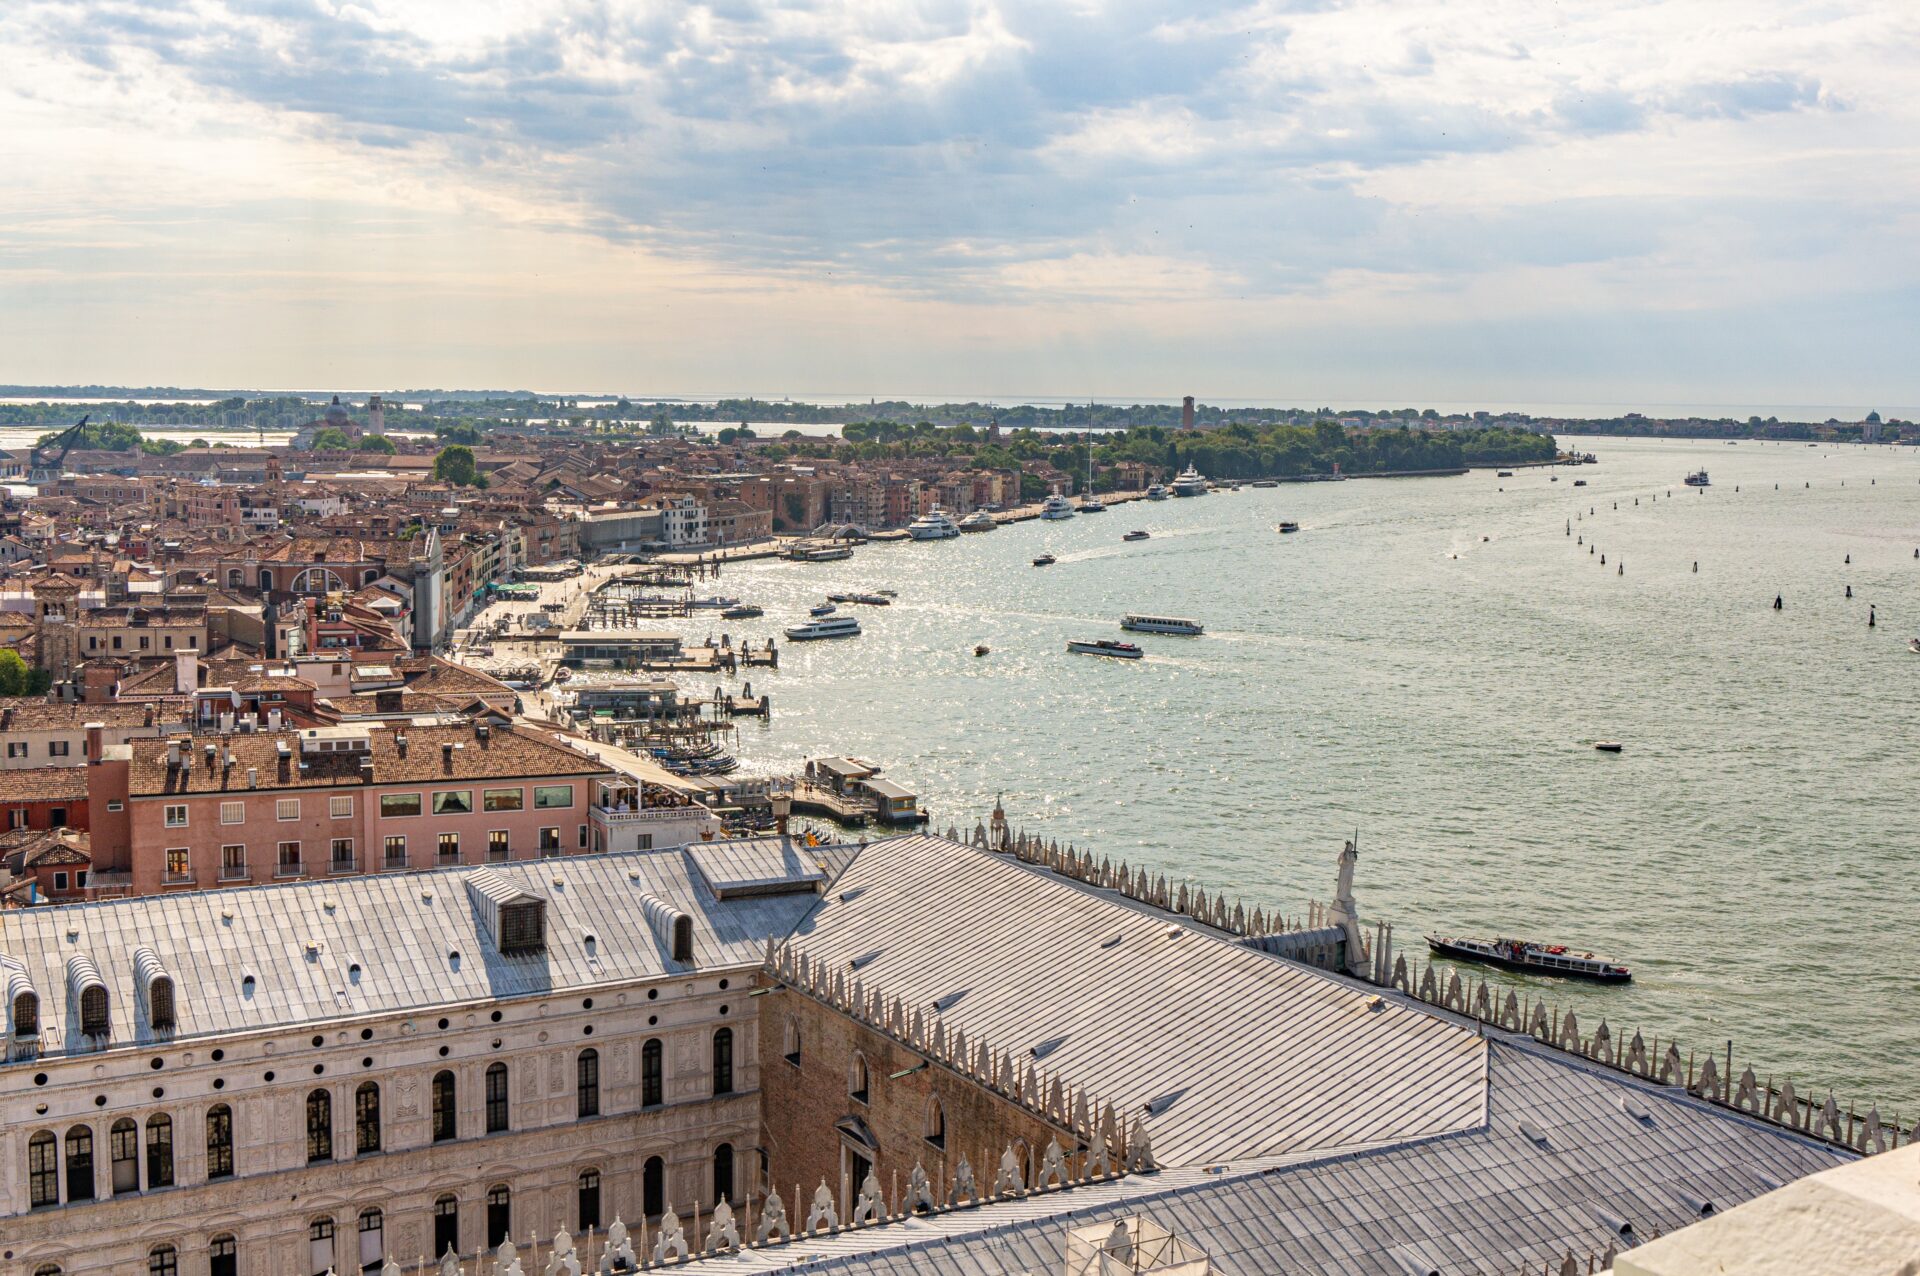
x,y
1163,625
1539,959
830,627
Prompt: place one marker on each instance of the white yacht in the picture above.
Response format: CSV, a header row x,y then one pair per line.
x,y
1190,483
934,525
1158,492
978,521
1057,506
829,627
1163,625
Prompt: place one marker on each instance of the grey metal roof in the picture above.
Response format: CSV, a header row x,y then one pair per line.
x,y
754,865
352,946
1251,1056
1486,1200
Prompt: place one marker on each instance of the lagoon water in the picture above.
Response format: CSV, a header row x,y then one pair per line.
x,y
1754,853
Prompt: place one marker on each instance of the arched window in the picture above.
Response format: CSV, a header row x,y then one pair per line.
x,y
790,1041
589,1199
587,1083
723,1061
857,1078
320,1245
43,1169
163,1260
936,1123
723,1173
123,1155
26,1014
366,1118
233,578
496,1098
219,1141
317,580
446,1224
95,1018
652,1090
499,1214
373,1239
653,1187
160,1150
47,1269
319,1126
266,581
444,1124
80,1163
223,1255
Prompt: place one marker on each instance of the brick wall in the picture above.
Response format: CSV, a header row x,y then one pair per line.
x,y
803,1102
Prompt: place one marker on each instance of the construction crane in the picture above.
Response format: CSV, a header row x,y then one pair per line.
x,y
44,462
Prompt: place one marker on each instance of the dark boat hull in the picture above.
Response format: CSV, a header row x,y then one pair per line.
x,y
1527,966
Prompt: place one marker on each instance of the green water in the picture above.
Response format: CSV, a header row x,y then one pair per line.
x,y
1751,854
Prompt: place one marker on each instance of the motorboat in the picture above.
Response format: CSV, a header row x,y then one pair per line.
x,y
1191,482
982,649
717,602
1503,473
1105,647
1609,746
934,525
1288,526
1091,504
824,609
868,600
745,611
1579,482
1045,560
1542,959
1158,492
1163,625
1913,645
978,521
1698,479
1264,483
1135,535
832,627
1056,506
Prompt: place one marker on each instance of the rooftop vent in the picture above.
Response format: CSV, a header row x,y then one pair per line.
x,y
673,928
87,990
516,918
253,777
1132,1245
22,1002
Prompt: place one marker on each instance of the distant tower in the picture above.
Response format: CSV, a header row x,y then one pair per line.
x,y
1186,413
376,415
56,603
998,837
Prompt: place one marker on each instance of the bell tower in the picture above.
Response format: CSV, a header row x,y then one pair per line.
x,y
56,601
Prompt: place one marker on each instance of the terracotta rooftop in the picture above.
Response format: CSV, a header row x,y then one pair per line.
x,y
44,784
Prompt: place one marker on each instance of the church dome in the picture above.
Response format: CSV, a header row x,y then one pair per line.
x,y
336,414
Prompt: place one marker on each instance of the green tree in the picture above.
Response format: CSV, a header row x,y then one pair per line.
x,y
14,673
458,432
455,464
331,439
159,447
377,443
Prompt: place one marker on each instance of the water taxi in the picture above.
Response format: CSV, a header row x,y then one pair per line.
x,y
832,627
1579,482
1091,504
1056,506
1503,473
745,611
978,521
1542,959
1105,647
1913,645
1288,526
1698,479
824,609
1135,535
1191,482
1265,483
1045,560
934,525
1158,492
1163,625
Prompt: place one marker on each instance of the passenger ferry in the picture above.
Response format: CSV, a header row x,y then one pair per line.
x,y
1105,647
1543,959
934,525
978,521
1698,479
1163,625
831,627
1158,492
1191,482
1056,506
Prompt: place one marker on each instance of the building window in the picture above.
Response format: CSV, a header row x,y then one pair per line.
x,y
43,1170
17,817
233,862
589,1199
373,1239
550,841
16,748
286,809
653,1188
397,804
289,862
444,1122
449,848
651,1089
587,1084
396,848
163,1260
496,1098
497,846
453,802
723,1173
80,1163
177,870
936,1124
159,1150
176,816
123,1156
857,1080
723,1061
59,881
320,1245
319,1126
219,1141
582,836
366,1118
446,1224
342,854
502,799
340,808
94,1018
499,1214
233,812
790,1041
59,748
223,1256
548,796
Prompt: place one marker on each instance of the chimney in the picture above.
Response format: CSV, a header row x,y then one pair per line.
x,y
186,672
173,754
273,719
400,744
253,777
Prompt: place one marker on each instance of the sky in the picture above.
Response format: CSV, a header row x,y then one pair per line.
x,y
1322,201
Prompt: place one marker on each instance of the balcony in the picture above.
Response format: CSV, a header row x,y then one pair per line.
x,y
239,874
176,879
289,870
393,863
343,866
